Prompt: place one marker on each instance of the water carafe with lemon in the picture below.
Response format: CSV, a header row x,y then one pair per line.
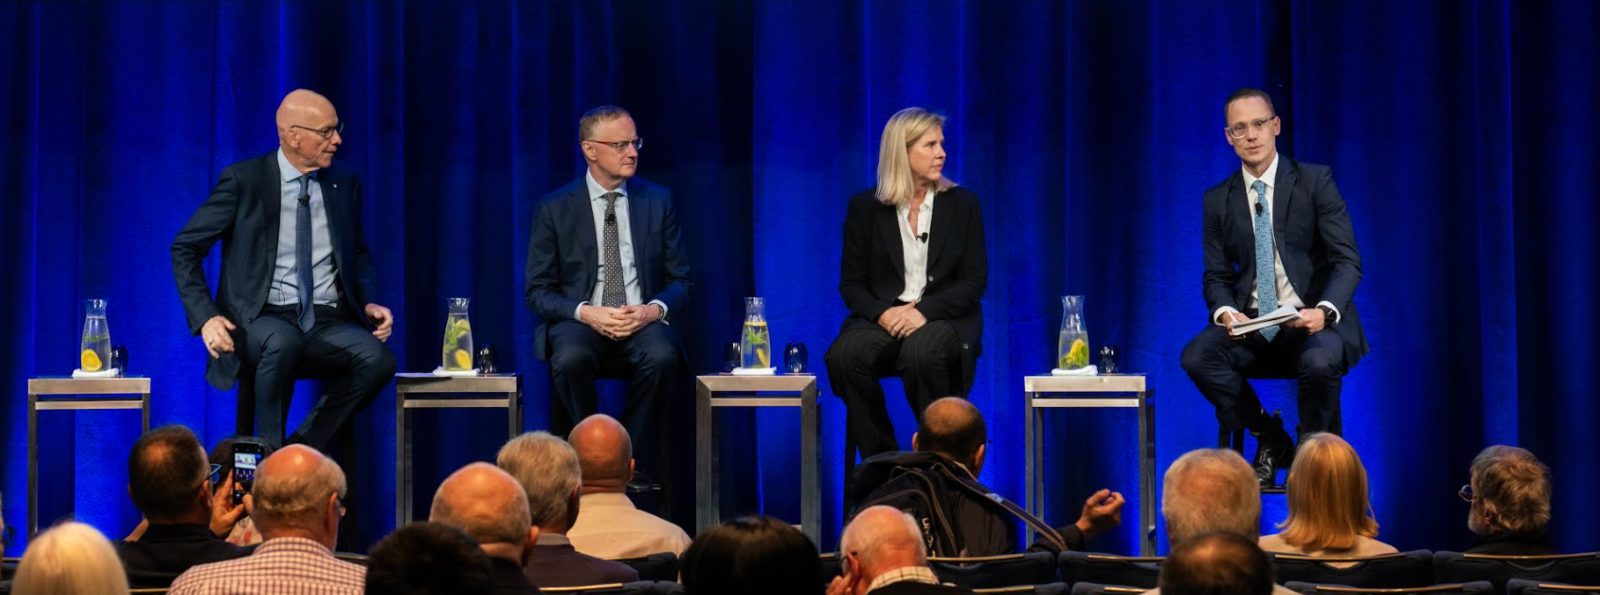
x,y
1072,347
755,343
94,354
457,337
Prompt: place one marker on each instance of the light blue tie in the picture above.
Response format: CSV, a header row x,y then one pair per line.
x,y
302,253
1266,274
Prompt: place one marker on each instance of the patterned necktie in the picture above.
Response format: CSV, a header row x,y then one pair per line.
x,y
1266,274
302,253
614,296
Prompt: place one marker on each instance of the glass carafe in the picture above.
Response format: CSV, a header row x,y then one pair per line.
x,y
94,353
458,337
1072,347
755,344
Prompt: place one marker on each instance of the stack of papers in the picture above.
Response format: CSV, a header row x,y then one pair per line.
x,y
1274,318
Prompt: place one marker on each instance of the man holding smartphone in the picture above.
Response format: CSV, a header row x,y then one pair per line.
x,y
186,520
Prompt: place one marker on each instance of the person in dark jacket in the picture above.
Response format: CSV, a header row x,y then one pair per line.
x,y
952,435
548,469
168,479
490,506
1509,489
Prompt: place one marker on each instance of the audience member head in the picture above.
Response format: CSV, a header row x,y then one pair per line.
x,y
299,493
428,559
1327,494
308,130
752,555
222,456
548,470
1217,563
70,559
911,156
879,540
605,453
1210,489
1511,492
607,137
167,477
489,506
953,427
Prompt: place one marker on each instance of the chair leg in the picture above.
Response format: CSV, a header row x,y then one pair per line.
x,y
849,503
245,418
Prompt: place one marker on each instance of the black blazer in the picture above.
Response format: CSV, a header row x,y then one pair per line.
x,y
242,212
910,588
560,565
1313,235
872,265
166,551
564,260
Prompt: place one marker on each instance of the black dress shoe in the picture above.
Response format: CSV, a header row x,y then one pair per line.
x,y
1274,452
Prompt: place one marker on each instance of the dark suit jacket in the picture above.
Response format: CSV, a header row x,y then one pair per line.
x,y
911,588
243,213
564,260
508,578
561,566
165,551
1515,544
1313,235
872,266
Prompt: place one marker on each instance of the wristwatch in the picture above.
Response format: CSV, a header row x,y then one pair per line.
x,y
1328,316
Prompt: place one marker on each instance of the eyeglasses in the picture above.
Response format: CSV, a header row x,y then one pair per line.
x,y
325,133
1238,130
622,145
1466,493
216,474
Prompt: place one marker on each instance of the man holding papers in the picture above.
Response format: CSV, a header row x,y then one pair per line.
x,y
1278,241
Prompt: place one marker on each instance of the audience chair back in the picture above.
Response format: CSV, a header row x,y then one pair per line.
x,y
1099,589
832,566
1472,588
655,567
1579,569
144,590
1033,568
1050,589
1106,569
1522,586
633,588
1408,569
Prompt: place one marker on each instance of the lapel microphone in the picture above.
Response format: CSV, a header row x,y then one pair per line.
x,y
923,237
1260,209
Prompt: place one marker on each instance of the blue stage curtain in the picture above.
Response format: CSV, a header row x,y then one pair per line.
x,y
1461,135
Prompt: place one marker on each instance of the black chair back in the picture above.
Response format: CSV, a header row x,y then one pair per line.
x,y
1576,569
655,567
832,566
633,588
1107,569
1522,586
1408,569
1099,589
1472,588
1050,589
1033,568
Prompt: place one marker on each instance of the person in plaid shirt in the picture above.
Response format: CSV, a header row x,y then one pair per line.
x,y
297,504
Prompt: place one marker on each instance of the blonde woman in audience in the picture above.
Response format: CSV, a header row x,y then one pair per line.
x,y
70,559
1329,515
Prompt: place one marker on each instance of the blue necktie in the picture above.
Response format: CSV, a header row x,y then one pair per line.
x,y
302,252
1266,274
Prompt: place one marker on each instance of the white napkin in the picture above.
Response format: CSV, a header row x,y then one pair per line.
x,y
1089,370
112,373
444,372
754,371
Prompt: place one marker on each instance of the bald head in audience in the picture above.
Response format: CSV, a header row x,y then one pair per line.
x,y
1217,563
953,427
1210,489
880,540
488,505
605,453
298,493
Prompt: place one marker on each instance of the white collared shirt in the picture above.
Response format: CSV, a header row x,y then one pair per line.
x,y
1286,293
908,574
630,272
914,248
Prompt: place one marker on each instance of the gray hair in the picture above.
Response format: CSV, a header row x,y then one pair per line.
x,y
296,501
547,467
870,537
597,116
1210,489
70,558
484,520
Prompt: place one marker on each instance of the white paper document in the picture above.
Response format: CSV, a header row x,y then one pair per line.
x,y
1274,318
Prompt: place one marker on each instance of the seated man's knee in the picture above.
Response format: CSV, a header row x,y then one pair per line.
x,y
1200,355
921,354
1321,363
658,356
569,361
281,349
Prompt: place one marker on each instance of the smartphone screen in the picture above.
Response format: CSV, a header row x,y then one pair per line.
x,y
246,457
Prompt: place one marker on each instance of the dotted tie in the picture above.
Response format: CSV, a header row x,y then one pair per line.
x,y
1266,274
302,253
614,296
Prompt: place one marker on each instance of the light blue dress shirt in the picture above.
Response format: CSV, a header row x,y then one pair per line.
x,y
630,272
285,288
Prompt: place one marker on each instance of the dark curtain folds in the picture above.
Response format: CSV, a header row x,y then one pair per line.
x,y
1461,135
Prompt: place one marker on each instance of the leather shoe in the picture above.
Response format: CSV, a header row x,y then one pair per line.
x,y
1274,452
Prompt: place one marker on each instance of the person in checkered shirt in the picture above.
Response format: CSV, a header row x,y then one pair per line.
x,y
297,504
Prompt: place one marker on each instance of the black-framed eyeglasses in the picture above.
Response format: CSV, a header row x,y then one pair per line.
x,y
622,145
1466,493
325,133
1238,130
215,475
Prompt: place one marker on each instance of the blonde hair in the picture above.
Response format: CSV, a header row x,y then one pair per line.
x,y
895,183
1516,485
70,559
1210,489
1327,494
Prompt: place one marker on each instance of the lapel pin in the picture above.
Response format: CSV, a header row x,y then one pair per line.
x,y
335,184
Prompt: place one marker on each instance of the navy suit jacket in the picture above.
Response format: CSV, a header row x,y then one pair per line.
x,y
243,213
1313,235
553,566
564,258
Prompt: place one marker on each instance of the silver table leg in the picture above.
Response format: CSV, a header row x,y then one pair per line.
x,y
1147,473
810,496
1033,487
402,461
33,464
707,492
